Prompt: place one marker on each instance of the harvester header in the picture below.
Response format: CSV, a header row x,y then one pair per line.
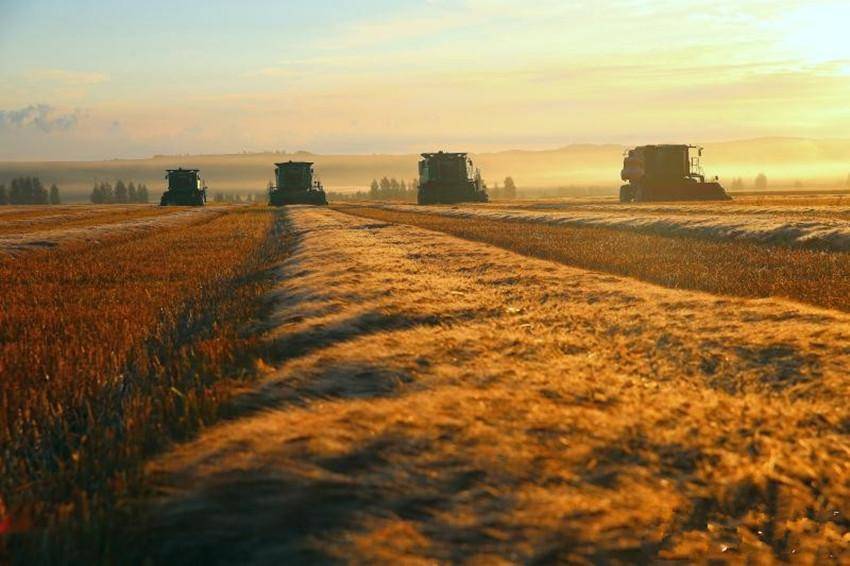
x,y
447,178
185,188
666,172
295,185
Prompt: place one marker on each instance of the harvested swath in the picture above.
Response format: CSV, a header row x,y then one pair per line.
x,y
773,230
108,352
731,268
440,400
77,219
31,210
768,209
16,244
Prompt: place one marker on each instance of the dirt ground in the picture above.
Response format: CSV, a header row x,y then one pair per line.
x,y
435,399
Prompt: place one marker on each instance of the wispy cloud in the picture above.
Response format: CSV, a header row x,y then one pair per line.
x,y
41,117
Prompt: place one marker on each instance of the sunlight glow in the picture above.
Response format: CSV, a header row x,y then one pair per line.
x,y
818,32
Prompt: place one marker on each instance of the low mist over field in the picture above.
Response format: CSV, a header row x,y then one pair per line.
x,y
785,161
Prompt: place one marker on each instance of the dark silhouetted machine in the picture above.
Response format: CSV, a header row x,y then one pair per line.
x,y
447,178
666,172
185,188
295,185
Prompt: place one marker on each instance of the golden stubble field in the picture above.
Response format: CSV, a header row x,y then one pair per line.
x,y
423,386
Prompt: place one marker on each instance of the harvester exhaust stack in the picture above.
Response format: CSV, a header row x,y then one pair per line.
x,y
448,178
295,185
185,188
666,172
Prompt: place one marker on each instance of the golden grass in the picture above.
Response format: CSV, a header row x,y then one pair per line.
x,y
441,400
109,351
18,212
76,219
804,207
817,277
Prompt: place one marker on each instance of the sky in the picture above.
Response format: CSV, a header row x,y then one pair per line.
x,y
85,79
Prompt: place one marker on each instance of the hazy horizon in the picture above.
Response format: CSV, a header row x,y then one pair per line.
x,y
786,162
95,81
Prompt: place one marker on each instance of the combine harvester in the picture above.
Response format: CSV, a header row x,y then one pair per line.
x,y
295,185
185,188
666,172
448,178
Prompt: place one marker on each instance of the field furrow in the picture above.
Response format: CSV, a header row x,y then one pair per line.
x,y
743,269
437,399
817,233
77,217
769,207
100,228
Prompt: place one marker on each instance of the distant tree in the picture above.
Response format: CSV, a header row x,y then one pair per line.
x,y
385,185
27,190
4,198
373,189
54,194
132,193
847,183
96,197
142,194
121,194
798,184
761,182
737,184
509,192
16,191
108,193
40,192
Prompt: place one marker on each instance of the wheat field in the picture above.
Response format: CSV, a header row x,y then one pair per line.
x,y
111,346
392,384
440,399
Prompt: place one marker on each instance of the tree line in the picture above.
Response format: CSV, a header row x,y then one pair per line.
x,y
393,189
236,197
105,193
29,190
505,192
760,183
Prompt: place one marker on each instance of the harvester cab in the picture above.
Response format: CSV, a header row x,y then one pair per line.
x,y
448,178
185,188
666,172
295,185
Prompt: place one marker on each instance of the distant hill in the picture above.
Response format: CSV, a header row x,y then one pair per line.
x,y
783,160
